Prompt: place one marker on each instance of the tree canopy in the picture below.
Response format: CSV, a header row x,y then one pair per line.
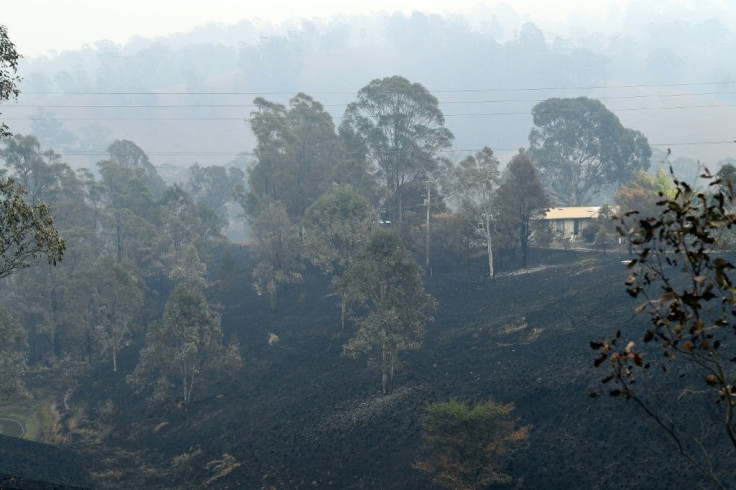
x,y
26,231
385,291
8,68
403,129
474,182
298,155
522,202
186,341
580,147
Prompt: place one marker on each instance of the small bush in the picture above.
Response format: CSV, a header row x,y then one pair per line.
x,y
470,447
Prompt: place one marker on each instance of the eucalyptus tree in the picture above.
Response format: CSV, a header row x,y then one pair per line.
x,y
181,222
214,186
129,155
385,293
37,172
402,127
9,81
26,231
116,301
337,226
128,209
580,147
27,235
727,176
474,183
522,202
277,249
186,341
640,194
296,149
13,354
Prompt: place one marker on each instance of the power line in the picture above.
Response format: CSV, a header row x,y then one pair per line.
x,y
461,114
348,154
463,90
211,106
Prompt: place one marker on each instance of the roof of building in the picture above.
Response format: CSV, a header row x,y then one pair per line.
x,y
573,212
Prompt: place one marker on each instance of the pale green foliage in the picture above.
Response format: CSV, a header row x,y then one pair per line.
x,y
190,271
402,127
37,172
116,303
178,348
726,176
297,152
129,155
181,224
127,208
26,231
384,289
580,147
337,227
13,355
474,183
8,68
276,247
468,447
641,193
214,186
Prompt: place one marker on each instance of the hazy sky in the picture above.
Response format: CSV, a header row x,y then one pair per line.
x,y
39,26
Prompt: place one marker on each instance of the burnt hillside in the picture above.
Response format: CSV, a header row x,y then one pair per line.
x,y
301,415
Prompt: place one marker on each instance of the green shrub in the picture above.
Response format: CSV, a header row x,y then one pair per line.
x,y
469,447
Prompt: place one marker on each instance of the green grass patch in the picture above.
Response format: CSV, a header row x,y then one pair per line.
x,y
34,421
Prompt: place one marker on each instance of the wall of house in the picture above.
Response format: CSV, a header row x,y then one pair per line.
x,y
568,227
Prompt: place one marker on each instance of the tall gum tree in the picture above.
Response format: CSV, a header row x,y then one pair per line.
x,y
403,129
580,147
26,231
522,202
474,182
385,292
337,226
117,303
277,248
186,341
295,151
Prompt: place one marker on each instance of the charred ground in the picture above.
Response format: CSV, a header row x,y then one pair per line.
x,y
298,414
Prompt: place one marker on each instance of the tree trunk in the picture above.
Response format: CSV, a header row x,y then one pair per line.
x,y
491,272
385,371
429,204
343,310
400,213
272,293
524,240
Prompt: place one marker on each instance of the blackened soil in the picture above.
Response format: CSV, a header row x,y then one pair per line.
x,y
300,415
30,465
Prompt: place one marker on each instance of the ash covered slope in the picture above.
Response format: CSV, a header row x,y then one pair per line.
x,y
31,465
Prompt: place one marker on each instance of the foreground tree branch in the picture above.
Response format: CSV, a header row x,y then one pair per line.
x,y
683,276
